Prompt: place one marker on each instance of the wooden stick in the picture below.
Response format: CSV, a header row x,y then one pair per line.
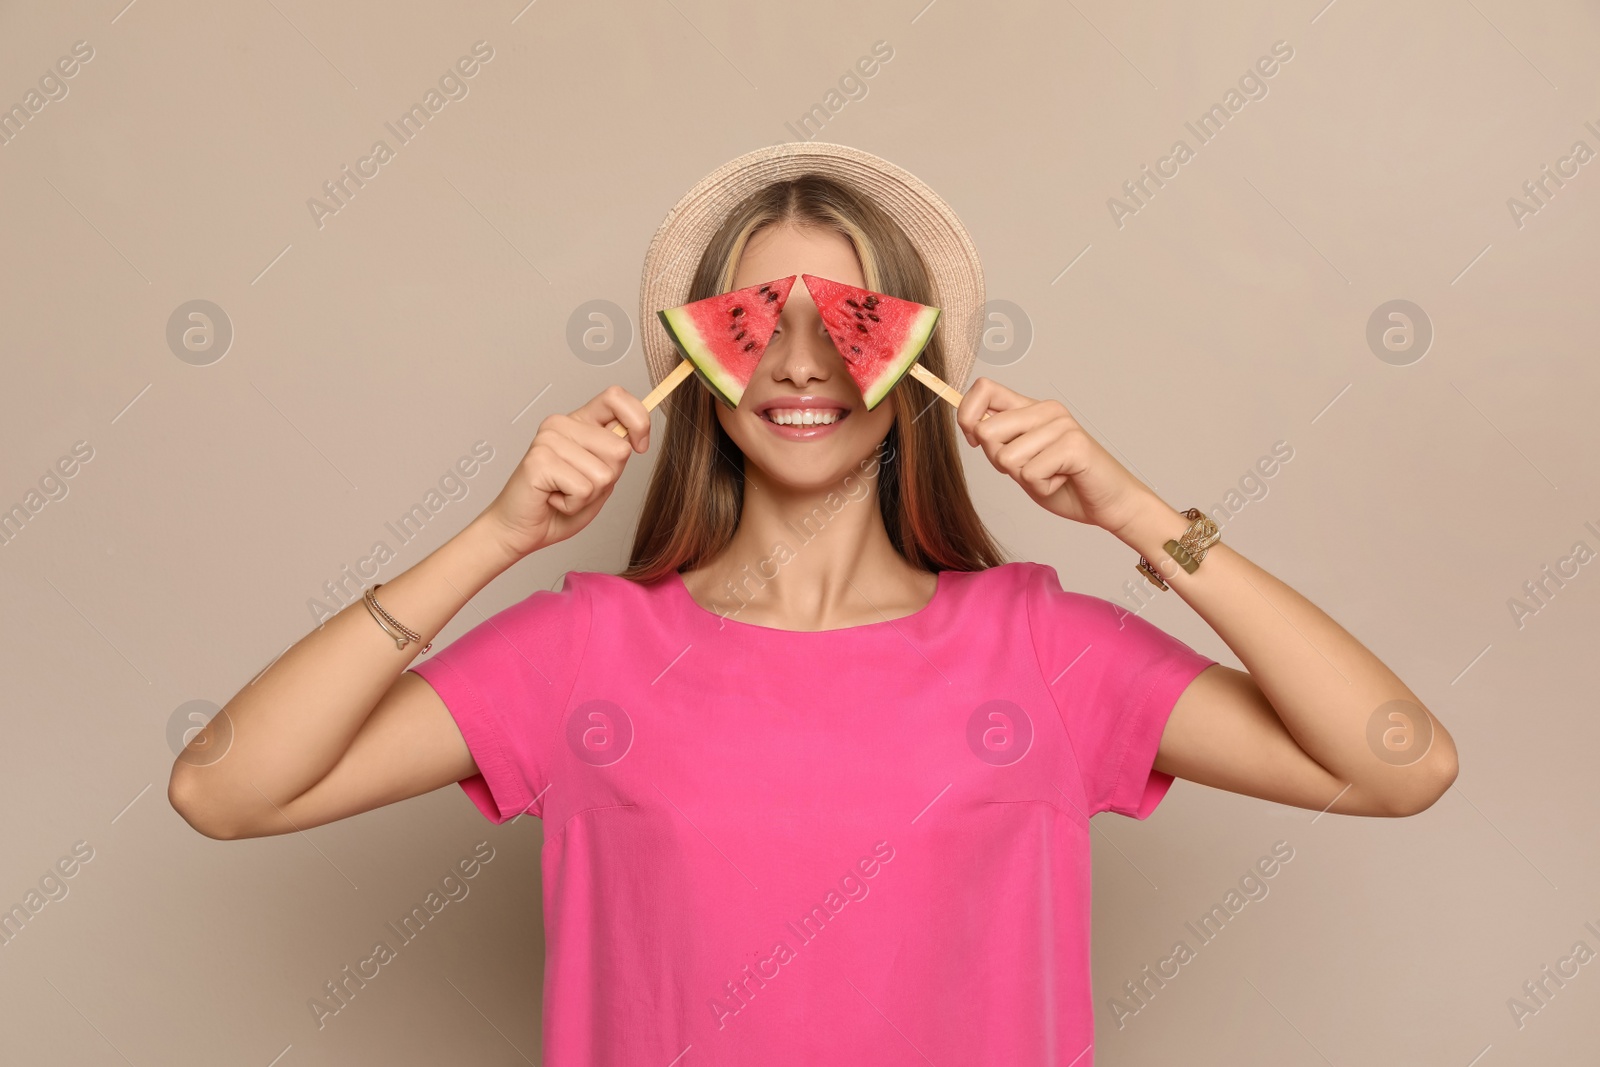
x,y
659,393
939,386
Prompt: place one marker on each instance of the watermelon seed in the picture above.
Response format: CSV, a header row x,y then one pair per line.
x,y
771,297
852,303
739,336
861,327
855,348
858,315
873,317
748,345
872,301
737,312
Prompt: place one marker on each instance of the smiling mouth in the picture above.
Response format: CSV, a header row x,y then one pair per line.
x,y
804,416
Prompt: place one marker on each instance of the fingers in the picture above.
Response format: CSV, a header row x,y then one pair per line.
x,y
554,474
971,408
988,396
1053,465
1008,427
600,442
599,471
616,404
577,459
1014,455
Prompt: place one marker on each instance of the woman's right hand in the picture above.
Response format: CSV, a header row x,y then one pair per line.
x,y
568,472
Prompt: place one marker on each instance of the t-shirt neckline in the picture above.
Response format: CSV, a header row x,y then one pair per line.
x,y
939,587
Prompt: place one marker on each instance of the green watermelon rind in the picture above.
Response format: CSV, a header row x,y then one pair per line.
x,y
917,338
687,338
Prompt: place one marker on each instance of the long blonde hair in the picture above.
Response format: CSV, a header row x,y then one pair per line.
x,y
696,491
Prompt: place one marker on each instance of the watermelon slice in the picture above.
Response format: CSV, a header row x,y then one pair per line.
x,y
725,336
879,336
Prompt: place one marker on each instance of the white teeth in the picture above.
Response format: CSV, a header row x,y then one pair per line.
x,y
802,416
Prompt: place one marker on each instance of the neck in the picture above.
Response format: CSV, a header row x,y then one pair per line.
x,y
810,558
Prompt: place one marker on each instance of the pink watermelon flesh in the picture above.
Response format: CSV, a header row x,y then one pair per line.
x,y
879,336
725,336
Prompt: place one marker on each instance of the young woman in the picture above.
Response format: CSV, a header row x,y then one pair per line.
x,y
817,768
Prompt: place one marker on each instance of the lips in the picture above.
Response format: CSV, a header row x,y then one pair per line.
x,y
803,408
801,417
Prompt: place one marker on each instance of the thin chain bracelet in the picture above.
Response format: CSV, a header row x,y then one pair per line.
x,y
384,620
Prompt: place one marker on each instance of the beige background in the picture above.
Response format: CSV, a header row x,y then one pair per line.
x,y
1228,314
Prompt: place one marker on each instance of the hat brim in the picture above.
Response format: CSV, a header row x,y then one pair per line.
x,y
929,223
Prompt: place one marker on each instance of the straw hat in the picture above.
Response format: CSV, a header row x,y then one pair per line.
x,y
933,228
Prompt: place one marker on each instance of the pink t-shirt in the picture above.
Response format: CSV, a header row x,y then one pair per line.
x,y
864,845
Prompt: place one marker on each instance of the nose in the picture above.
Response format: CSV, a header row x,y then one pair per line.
x,y
802,352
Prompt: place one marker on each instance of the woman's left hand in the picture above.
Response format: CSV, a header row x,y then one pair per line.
x,y
1040,445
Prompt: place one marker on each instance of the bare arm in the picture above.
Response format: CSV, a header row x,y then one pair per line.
x,y
334,727
1295,726
294,723
1315,719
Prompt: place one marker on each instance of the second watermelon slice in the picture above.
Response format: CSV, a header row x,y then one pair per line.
x,y
725,336
879,336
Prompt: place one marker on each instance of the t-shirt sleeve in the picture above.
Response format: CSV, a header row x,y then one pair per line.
x,y
1115,678
506,682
